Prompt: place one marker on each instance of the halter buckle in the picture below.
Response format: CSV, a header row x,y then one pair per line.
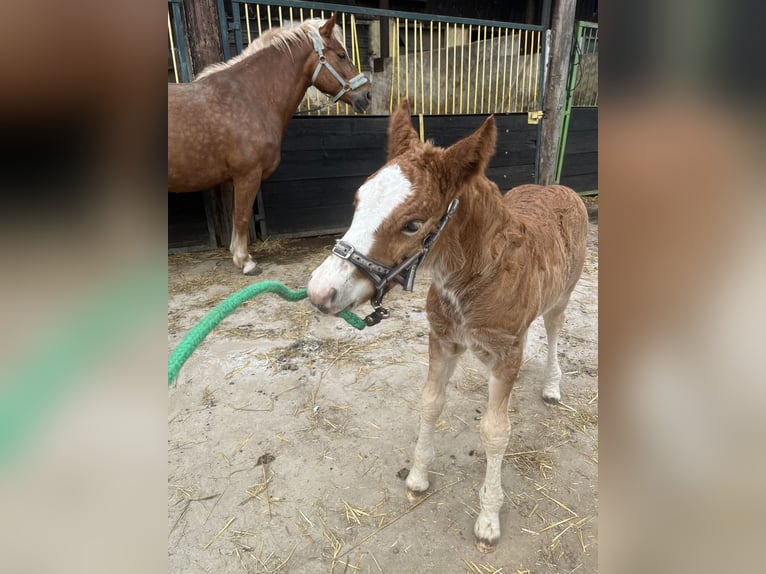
x,y
343,250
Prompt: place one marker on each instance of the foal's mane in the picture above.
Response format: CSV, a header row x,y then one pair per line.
x,y
283,39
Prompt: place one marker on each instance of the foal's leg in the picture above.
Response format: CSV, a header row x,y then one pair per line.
x,y
245,190
495,430
442,358
554,319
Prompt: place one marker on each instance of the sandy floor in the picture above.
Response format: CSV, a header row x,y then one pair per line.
x,y
290,432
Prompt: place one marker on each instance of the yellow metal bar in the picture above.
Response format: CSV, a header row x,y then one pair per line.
x,y
393,68
358,62
516,91
505,70
407,58
172,48
483,67
446,66
268,14
468,83
476,72
422,75
525,83
462,43
422,130
497,70
489,80
454,67
258,15
415,66
398,68
247,27
439,68
281,22
431,70
537,65
343,31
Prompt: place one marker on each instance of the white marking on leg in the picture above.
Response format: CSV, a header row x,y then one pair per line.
x,y
432,404
495,431
552,373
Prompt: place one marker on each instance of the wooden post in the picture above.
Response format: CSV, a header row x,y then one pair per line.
x,y
204,33
562,29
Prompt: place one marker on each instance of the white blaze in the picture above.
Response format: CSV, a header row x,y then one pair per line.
x,y
377,199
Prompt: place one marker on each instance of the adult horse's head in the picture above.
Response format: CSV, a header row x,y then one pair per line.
x,y
332,71
400,211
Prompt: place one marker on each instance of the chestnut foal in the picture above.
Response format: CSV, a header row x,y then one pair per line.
x,y
499,262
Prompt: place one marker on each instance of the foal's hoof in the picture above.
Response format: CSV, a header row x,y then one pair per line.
x,y
414,495
485,546
551,400
251,268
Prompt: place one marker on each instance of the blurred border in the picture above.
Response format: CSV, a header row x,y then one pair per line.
x,y
83,248
681,308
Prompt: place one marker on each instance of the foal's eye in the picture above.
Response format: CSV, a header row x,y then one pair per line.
x,y
342,55
412,227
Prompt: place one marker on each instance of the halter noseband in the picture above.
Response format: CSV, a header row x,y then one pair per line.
x,y
382,276
346,86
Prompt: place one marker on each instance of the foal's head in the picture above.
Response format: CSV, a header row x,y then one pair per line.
x,y
331,60
398,210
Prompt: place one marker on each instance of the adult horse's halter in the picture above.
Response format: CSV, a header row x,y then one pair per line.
x,y
346,86
382,276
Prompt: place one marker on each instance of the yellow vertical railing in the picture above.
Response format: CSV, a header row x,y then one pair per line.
x,y
172,48
505,70
468,87
406,58
439,68
431,70
497,70
422,75
538,58
462,44
483,67
446,67
489,79
454,66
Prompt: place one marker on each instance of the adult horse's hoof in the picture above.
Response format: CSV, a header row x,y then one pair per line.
x,y
485,546
251,268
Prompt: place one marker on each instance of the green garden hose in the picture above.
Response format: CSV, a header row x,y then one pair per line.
x,y
192,340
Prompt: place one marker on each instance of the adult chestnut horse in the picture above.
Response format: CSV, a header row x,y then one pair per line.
x,y
497,262
228,124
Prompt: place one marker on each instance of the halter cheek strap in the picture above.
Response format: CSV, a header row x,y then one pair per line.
x,y
383,276
346,86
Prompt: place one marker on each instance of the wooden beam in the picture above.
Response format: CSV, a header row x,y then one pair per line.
x,y
562,30
204,33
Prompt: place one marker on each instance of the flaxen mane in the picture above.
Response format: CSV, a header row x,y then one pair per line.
x,y
282,39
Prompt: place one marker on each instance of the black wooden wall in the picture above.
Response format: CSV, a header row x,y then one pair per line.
x,y
580,168
325,160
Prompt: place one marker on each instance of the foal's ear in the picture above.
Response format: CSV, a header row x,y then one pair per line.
x,y
327,28
401,134
470,156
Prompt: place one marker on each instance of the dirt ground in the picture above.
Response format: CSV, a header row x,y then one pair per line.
x,y
289,435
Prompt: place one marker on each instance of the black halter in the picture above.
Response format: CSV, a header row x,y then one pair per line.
x,y
382,276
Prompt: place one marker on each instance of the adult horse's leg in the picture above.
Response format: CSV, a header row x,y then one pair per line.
x,y
441,364
495,430
245,190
